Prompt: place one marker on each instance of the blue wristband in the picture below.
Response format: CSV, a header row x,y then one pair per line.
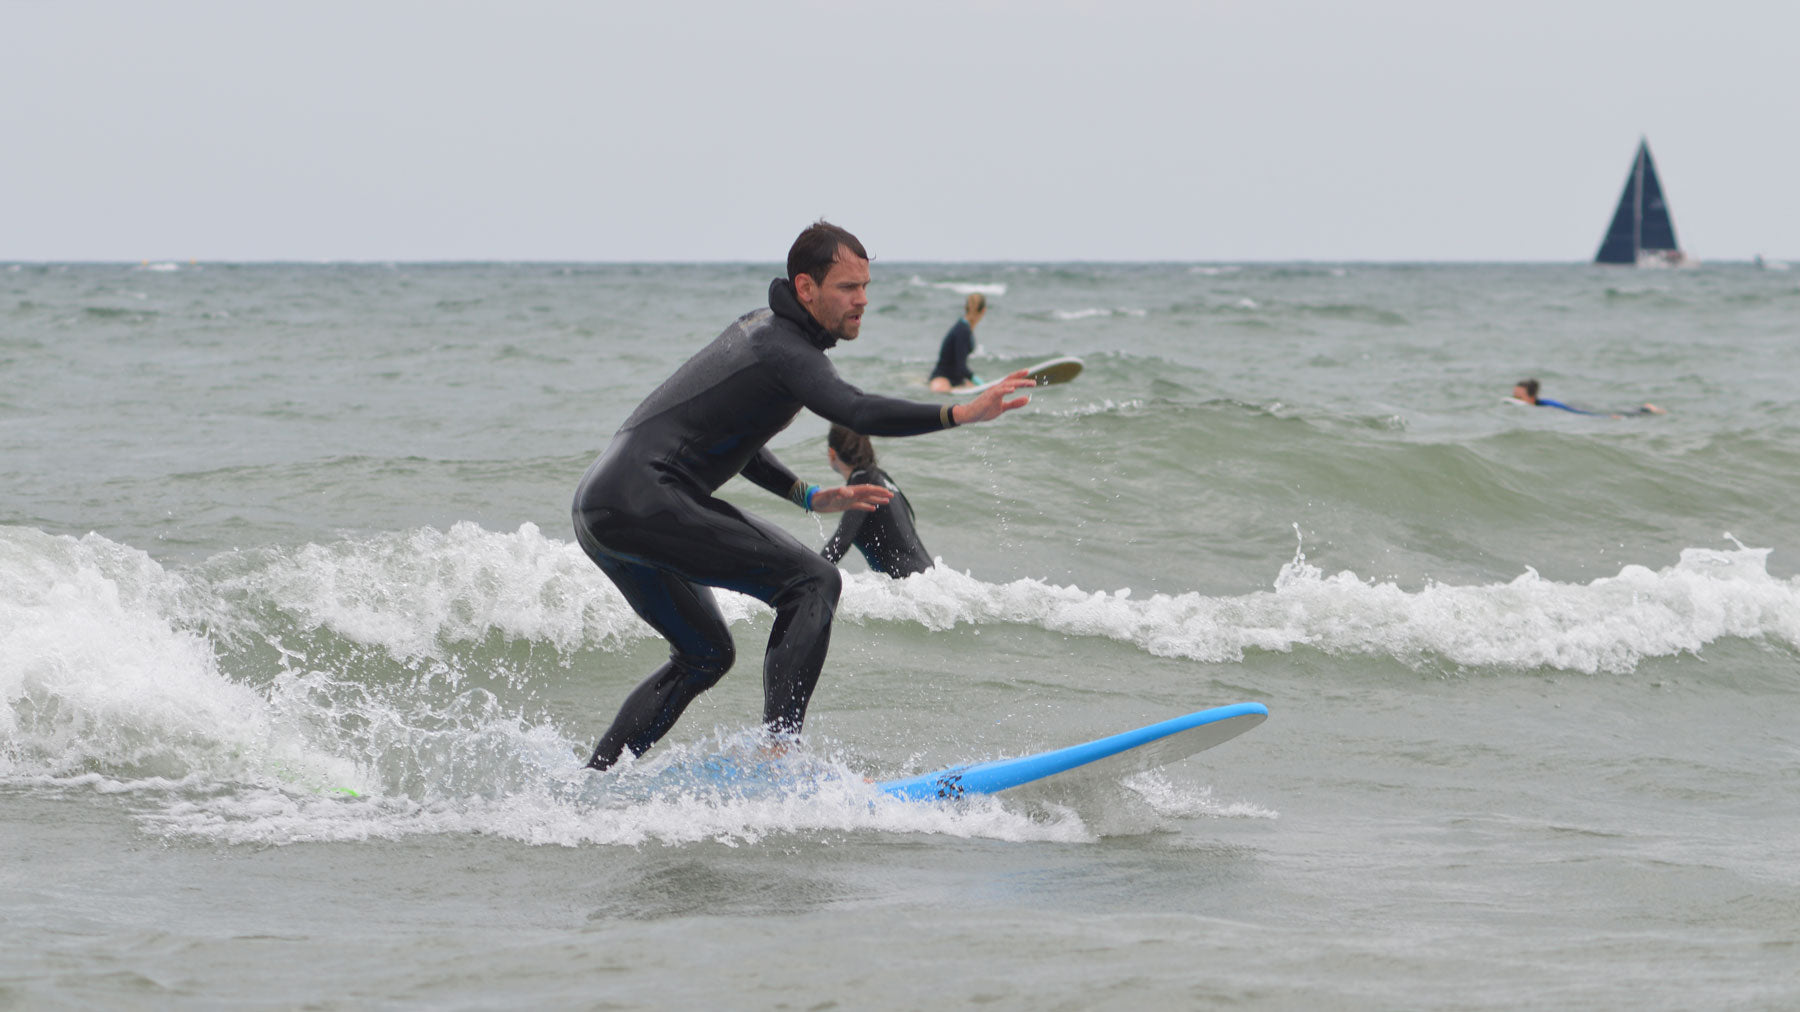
x,y
811,490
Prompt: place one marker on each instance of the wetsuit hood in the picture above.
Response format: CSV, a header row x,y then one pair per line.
x,y
787,305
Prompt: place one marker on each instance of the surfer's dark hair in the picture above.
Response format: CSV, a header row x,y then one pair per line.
x,y
1531,387
816,249
852,448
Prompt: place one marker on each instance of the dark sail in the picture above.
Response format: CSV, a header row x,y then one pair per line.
x,y
1620,244
1642,221
1657,229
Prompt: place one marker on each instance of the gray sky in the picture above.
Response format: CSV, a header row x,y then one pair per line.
x,y
1232,130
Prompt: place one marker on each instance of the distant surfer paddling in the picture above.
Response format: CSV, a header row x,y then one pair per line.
x,y
886,536
1526,392
952,369
645,511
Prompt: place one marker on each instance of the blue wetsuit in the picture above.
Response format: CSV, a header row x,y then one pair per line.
x,y
886,537
645,513
953,355
1545,402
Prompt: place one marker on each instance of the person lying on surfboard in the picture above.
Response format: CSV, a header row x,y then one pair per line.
x,y
885,536
1526,392
952,368
646,514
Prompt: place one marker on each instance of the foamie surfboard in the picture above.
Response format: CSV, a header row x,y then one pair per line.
x,y
1046,373
1116,755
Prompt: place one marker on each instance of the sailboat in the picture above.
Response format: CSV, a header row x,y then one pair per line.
x,y
1642,232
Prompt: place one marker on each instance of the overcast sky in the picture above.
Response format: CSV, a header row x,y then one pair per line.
x,y
1214,130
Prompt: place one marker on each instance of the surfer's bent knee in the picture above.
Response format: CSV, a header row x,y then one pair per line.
x,y
705,665
825,577
812,579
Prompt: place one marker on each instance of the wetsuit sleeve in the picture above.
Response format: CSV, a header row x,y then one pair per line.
x,y
768,472
846,535
812,380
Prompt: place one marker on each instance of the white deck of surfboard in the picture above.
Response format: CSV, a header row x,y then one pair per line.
x,y
1046,373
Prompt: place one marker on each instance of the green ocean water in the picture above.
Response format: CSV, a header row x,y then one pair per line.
x,y
272,533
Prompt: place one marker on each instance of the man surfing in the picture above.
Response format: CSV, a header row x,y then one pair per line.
x,y
646,514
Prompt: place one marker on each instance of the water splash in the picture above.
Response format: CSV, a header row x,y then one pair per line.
x,y
120,677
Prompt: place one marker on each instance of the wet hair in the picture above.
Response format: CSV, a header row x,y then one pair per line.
x,y
975,303
815,250
1530,385
852,448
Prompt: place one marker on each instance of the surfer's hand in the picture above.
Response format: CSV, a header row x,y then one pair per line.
x,y
866,498
992,403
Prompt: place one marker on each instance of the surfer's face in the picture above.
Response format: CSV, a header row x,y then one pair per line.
x,y
838,301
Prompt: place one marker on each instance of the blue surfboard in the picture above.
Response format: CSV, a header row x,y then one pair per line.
x,y
1117,755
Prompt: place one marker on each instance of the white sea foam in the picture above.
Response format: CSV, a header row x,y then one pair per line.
x,y
680,794
108,687
1166,797
107,683
1102,407
1610,624
98,665
412,594
1092,312
993,289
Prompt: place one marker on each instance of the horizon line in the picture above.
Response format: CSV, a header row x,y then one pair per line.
x,y
380,261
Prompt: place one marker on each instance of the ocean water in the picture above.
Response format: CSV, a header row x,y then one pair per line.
x,y
298,658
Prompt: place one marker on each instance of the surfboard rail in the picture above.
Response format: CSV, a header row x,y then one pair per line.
x,y
1120,754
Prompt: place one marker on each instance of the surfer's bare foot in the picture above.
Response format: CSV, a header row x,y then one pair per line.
x,y
1653,409
775,744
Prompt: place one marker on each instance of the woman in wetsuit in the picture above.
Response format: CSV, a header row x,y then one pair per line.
x,y
646,514
952,368
886,537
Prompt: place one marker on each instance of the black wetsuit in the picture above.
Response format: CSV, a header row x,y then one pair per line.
x,y
953,354
886,537
646,514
